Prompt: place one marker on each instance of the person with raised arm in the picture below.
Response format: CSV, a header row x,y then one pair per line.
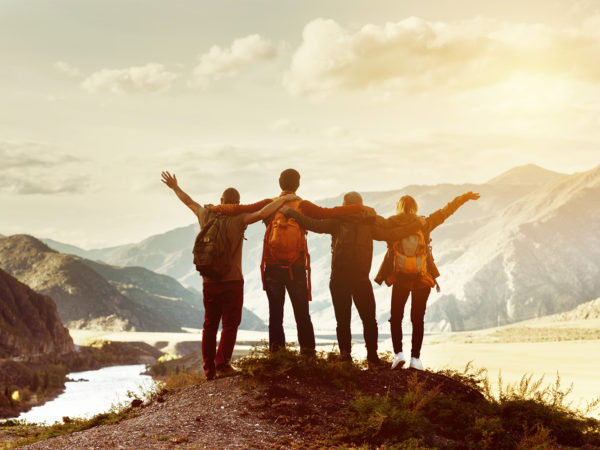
x,y
408,267
218,257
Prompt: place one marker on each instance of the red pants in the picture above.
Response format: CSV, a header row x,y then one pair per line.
x,y
222,300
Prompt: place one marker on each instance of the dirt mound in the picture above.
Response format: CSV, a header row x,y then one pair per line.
x,y
243,412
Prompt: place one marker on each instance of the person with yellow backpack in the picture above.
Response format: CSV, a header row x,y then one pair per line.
x,y
408,267
285,264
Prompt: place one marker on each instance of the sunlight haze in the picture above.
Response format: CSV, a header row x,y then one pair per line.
x,y
97,98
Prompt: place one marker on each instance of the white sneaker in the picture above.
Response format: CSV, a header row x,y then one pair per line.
x,y
415,363
398,361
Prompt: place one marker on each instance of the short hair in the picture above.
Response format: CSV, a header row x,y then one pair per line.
x,y
353,198
289,180
407,204
230,196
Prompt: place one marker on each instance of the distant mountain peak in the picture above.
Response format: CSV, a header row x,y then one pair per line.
x,y
528,174
26,241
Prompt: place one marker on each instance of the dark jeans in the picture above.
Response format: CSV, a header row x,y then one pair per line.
x,y
343,291
400,292
222,300
277,281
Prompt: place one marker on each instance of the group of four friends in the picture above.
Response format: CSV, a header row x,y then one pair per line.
x,y
353,227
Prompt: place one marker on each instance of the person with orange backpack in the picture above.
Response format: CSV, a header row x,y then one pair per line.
x,y
218,257
285,264
408,267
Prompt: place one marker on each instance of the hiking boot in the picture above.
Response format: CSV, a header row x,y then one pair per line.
x,y
345,357
398,361
209,374
224,370
415,363
374,362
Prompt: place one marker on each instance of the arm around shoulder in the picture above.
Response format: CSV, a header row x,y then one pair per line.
x,y
327,226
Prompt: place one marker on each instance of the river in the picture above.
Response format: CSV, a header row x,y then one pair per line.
x,y
104,388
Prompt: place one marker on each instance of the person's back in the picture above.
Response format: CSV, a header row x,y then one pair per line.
x,y
284,265
415,279
218,258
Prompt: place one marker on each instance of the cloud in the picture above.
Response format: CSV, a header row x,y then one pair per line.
x,y
67,69
135,80
221,62
24,154
283,125
37,168
24,186
415,55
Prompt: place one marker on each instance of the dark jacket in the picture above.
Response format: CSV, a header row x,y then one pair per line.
x,y
352,239
432,221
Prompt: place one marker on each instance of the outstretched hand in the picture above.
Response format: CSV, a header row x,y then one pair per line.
x,y
169,180
472,195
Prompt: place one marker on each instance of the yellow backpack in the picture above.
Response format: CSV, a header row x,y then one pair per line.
x,y
410,257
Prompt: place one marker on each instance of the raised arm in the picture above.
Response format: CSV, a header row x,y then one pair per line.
x,y
437,218
315,225
171,181
269,209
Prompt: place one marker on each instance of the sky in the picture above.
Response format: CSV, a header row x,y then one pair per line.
x,y
98,97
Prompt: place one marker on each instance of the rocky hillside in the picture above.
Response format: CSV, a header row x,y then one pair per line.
x,y
29,323
538,256
92,294
83,297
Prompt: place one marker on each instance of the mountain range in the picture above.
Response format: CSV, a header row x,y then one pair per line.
x,y
527,248
91,294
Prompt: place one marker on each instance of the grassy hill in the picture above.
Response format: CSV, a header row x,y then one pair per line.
x,y
289,400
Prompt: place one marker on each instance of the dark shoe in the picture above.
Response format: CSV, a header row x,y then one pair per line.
x,y
345,357
374,362
209,374
224,370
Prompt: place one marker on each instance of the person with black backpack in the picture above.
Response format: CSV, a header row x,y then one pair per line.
x,y
218,258
409,267
352,252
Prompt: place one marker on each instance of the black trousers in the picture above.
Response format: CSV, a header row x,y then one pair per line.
x,y
343,292
277,281
419,295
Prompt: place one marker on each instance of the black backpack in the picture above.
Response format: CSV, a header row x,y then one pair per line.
x,y
212,249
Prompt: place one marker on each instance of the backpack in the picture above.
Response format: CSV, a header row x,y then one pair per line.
x,y
285,242
410,257
284,239
212,249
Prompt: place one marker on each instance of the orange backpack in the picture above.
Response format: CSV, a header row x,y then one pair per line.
x,y
285,242
410,257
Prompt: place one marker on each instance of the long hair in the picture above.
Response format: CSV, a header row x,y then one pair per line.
x,y
407,205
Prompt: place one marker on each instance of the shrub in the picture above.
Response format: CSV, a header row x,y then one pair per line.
x,y
262,364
